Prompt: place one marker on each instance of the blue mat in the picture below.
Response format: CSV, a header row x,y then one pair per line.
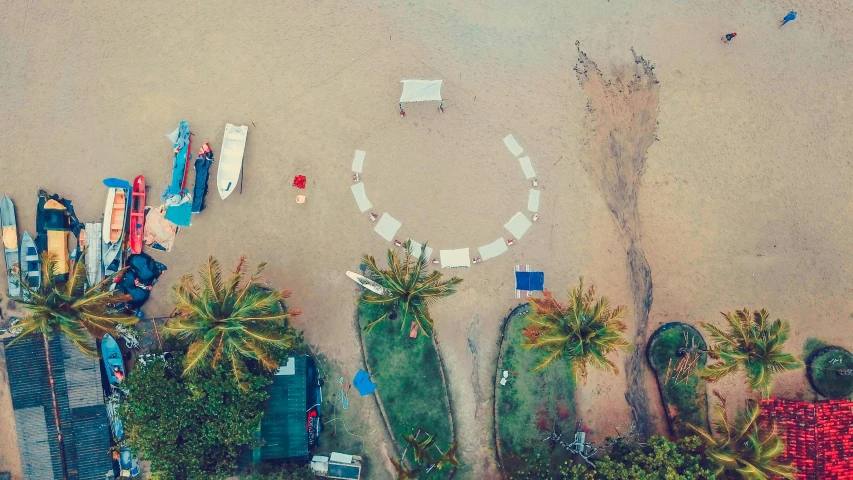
x,y
363,383
530,281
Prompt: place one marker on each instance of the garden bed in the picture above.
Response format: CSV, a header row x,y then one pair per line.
x,y
684,394
527,407
823,372
411,387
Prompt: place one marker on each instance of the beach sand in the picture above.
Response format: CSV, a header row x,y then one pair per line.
x,y
744,199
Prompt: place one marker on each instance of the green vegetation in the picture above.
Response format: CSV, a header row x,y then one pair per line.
x,y
583,332
409,290
676,352
191,427
530,403
231,321
409,384
753,343
830,371
658,459
744,449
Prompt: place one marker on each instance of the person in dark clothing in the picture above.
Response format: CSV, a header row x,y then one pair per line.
x,y
728,37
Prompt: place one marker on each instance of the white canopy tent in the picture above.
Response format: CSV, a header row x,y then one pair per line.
x,y
421,91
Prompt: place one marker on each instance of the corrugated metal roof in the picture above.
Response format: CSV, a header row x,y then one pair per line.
x,y
81,411
283,427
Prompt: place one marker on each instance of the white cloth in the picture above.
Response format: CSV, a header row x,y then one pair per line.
x,y
518,225
417,247
387,227
358,161
459,258
361,197
493,249
533,200
421,91
512,145
527,167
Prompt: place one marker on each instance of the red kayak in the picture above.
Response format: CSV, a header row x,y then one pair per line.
x,y
137,214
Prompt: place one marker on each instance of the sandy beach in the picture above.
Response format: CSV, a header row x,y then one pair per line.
x,y
743,198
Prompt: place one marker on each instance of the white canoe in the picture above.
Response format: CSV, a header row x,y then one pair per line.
x,y
231,158
367,283
112,230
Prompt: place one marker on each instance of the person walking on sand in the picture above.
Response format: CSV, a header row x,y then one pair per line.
x,y
728,37
792,15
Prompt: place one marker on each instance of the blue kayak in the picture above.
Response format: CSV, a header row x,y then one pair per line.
x,y
113,363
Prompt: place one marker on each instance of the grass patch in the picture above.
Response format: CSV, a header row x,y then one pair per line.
x,y
409,383
530,403
823,372
685,396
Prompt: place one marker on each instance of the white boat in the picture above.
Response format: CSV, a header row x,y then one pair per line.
x,y
10,245
231,158
112,235
367,283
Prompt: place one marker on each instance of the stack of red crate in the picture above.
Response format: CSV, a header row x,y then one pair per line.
x,y
818,436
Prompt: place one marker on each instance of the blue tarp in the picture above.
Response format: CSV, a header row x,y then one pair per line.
x,y
180,215
363,383
530,281
181,140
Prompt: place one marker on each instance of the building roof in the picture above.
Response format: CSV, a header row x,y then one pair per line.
x,y
284,425
82,413
818,436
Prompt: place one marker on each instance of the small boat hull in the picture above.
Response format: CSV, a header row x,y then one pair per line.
x,y
137,214
30,263
231,159
113,228
111,356
10,245
367,283
94,265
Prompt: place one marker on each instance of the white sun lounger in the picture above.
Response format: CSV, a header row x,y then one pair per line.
x,y
527,167
459,258
518,225
533,200
512,145
416,249
361,197
358,161
493,249
387,227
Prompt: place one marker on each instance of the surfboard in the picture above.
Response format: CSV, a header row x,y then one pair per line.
x,y
367,283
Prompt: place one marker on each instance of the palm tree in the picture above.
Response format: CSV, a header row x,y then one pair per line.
x,y
231,320
585,331
448,457
752,342
420,449
404,473
409,289
744,450
70,309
